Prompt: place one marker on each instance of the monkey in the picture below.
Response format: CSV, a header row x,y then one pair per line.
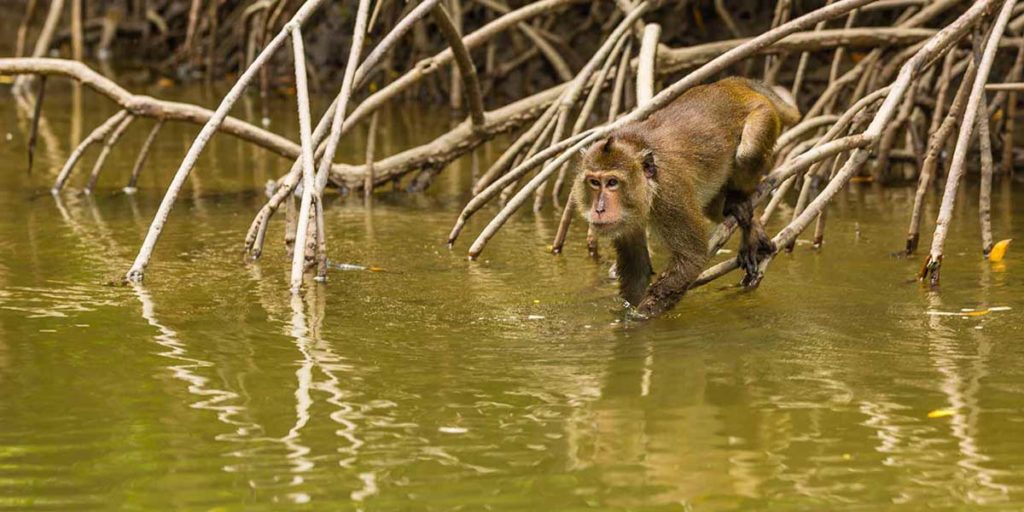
x,y
700,158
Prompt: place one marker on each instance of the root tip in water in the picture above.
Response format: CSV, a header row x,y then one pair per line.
x,y
134,276
912,244
930,271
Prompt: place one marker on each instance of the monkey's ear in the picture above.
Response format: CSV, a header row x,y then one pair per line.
x,y
650,168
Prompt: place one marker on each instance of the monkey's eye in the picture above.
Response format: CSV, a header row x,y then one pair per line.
x,y
612,183
595,183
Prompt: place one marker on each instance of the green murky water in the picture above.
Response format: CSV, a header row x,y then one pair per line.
x,y
503,384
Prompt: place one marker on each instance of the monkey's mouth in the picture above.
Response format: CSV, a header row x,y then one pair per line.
x,y
605,225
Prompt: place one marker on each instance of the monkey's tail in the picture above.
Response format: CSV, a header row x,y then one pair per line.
x,y
785,104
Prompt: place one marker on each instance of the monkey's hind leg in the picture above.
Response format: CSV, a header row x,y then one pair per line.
x,y
755,149
753,157
755,245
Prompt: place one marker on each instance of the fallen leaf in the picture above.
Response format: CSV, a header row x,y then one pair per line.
x,y
966,312
941,413
998,251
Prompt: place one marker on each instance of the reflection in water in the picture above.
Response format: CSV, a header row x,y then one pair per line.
x,y
961,384
306,329
75,133
244,429
188,371
47,140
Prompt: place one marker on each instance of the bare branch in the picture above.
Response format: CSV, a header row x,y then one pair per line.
x,y
470,83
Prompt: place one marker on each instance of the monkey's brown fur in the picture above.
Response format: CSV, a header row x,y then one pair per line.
x,y
699,158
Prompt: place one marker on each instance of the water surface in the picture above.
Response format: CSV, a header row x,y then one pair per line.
x,y
509,383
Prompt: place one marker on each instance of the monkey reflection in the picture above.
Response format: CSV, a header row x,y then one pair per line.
x,y
699,158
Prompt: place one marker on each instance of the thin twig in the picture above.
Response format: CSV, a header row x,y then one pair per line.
x,y
37,115
98,134
107,145
470,83
140,161
44,39
371,145
987,169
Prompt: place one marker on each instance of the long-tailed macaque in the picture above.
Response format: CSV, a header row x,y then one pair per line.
x,y
699,158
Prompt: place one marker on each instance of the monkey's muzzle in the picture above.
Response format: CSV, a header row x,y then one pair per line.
x,y
606,227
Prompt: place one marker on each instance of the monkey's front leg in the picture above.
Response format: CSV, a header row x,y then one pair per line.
x,y
672,284
633,266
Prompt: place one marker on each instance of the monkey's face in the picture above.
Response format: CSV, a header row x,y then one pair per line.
x,y
614,187
607,213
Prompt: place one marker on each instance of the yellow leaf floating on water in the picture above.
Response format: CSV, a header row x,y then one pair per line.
x,y
998,251
968,312
941,413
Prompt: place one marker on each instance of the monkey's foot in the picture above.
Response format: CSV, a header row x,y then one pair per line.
x,y
750,258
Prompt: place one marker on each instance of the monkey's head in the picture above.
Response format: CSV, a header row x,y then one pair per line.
x,y
615,185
